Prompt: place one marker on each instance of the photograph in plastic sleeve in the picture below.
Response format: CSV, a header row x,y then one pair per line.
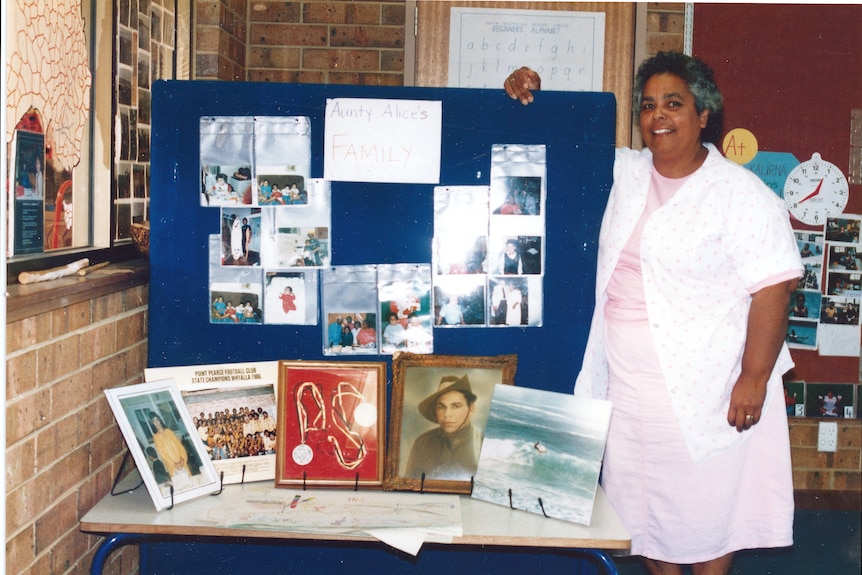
x,y
351,333
459,301
282,156
405,308
794,398
349,302
461,209
290,298
459,254
518,174
515,301
226,145
240,236
275,190
805,304
515,255
517,201
460,229
801,334
298,235
828,400
516,196
235,292
293,247
844,229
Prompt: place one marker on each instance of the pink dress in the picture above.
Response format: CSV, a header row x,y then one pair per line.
x,y
649,475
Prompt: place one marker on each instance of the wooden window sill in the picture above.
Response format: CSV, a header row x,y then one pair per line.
x,y
27,300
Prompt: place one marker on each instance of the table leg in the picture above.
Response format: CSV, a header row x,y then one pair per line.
x,y
602,558
108,546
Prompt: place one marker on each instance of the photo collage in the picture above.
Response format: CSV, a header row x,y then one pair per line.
x,y
271,259
823,312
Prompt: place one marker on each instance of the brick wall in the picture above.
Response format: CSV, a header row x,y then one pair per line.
x,y
220,45
665,27
355,42
825,471
63,445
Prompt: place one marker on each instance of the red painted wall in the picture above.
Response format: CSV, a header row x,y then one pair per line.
x,y
790,74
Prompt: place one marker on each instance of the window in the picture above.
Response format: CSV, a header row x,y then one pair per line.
x,y
90,132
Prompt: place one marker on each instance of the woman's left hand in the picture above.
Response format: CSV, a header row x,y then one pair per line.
x,y
767,323
746,403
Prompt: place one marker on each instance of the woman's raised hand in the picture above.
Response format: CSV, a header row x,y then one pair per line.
x,y
521,83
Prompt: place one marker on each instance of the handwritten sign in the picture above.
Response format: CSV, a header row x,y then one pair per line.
x,y
772,168
371,140
565,48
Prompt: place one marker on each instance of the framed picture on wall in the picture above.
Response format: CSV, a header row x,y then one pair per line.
x,y
331,424
440,402
159,432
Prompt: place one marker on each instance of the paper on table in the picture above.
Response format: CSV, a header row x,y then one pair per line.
x,y
407,540
402,520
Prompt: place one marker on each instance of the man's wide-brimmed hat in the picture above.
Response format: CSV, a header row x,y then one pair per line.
x,y
448,383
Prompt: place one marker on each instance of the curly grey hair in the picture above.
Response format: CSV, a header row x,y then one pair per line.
x,y
700,81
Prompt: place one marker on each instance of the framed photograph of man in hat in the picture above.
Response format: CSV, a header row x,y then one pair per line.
x,y
439,409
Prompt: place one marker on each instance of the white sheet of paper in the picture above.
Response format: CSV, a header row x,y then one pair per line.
x,y
406,540
838,340
402,520
373,140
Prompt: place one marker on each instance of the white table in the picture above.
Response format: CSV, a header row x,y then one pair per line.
x,y
131,518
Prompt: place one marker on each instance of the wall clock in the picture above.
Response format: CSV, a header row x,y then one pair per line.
x,y
815,190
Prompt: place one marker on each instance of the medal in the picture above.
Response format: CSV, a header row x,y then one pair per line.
x,y
303,454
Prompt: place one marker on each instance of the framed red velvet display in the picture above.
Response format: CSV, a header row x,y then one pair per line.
x,y
331,430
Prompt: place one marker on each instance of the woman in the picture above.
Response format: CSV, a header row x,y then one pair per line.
x,y
170,448
696,263
367,336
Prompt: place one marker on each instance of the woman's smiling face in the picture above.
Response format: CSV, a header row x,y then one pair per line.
x,y
669,121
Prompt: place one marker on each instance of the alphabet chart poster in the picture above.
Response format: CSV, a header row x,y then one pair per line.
x,y
565,48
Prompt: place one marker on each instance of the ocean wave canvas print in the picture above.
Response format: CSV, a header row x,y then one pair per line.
x,y
542,452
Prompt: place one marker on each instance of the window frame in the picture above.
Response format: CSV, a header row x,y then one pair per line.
x,y
96,175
